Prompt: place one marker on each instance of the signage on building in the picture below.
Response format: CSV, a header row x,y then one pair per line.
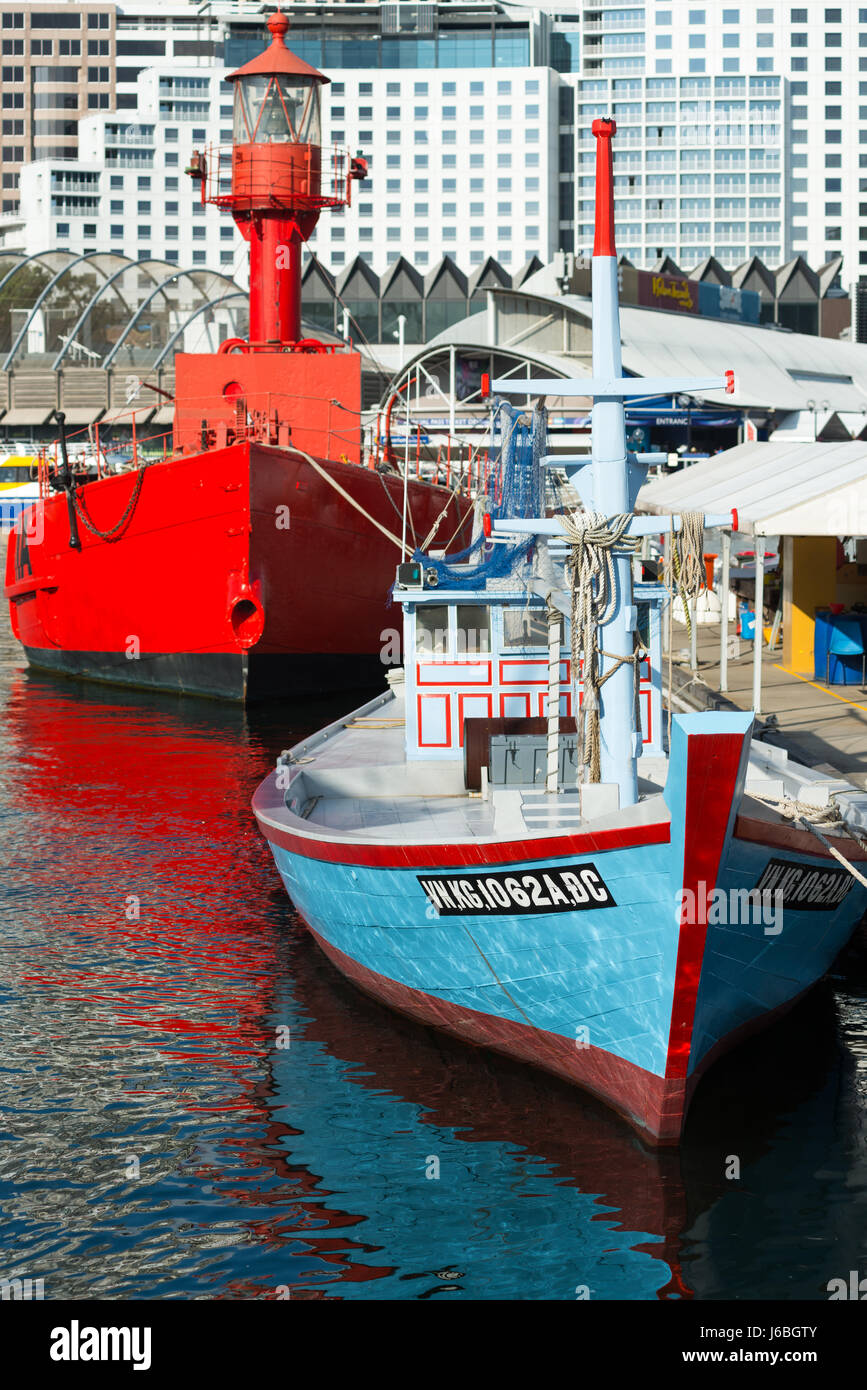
x,y
678,294
726,302
668,292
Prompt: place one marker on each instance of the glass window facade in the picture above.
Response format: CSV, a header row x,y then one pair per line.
x,y
506,46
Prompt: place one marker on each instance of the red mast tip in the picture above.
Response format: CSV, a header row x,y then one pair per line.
x,y
603,243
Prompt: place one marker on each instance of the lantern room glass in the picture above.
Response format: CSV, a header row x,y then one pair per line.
x,y
274,108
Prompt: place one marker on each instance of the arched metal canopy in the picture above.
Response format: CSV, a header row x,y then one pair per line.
x,y
108,315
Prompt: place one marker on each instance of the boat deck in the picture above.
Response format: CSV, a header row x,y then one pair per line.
x,y
434,805
353,781
411,817
359,783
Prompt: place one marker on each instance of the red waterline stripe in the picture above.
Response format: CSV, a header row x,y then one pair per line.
x,y
711,773
654,1105
471,852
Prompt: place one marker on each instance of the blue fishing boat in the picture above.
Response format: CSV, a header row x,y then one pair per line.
x,y
512,843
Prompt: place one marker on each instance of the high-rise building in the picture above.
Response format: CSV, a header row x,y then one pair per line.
x,y
58,65
97,128
743,128
733,122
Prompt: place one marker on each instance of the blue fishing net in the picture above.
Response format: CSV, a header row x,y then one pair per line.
x,y
516,488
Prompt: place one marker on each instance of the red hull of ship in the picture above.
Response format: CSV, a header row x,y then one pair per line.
x,y
241,573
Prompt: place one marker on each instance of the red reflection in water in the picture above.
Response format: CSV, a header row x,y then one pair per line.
x,y
146,797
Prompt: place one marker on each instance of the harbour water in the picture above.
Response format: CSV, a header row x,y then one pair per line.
x,y
194,1105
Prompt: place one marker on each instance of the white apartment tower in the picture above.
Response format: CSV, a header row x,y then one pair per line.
x,y
743,128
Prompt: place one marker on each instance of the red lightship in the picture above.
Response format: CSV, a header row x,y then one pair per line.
x,y
254,561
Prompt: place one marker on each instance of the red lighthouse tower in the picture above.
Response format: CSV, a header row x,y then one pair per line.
x,y
277,191
275,179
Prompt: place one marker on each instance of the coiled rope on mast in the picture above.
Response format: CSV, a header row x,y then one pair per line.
x,y
684,573
596,542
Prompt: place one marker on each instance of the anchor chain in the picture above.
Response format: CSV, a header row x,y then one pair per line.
x,y
115,531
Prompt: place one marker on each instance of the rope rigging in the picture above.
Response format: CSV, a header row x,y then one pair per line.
x,y
596,542
683,573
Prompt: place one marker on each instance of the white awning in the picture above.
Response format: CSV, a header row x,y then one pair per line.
x,y
792,489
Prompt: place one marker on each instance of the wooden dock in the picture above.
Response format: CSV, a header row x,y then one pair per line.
x,y
821,727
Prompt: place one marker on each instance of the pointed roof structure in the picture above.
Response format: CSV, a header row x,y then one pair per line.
x,y
320,303
401,268
315,271
754,275
527,269
788,276
711,272
490,275
446,269
829,275
358,269
666,266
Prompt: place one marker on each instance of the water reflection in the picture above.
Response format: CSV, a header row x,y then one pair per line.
x,y
160,1142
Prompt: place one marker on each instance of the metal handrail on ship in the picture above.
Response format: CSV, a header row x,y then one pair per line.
x,y
457,461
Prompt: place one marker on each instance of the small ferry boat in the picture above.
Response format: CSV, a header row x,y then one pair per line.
x,y
19,487
510,845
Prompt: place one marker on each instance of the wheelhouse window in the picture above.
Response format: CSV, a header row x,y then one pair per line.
x,y
473,629
524,627
432,629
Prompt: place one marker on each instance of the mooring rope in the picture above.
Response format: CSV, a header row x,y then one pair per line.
x,y
433,530
398,511
811,817
332,482
596,541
